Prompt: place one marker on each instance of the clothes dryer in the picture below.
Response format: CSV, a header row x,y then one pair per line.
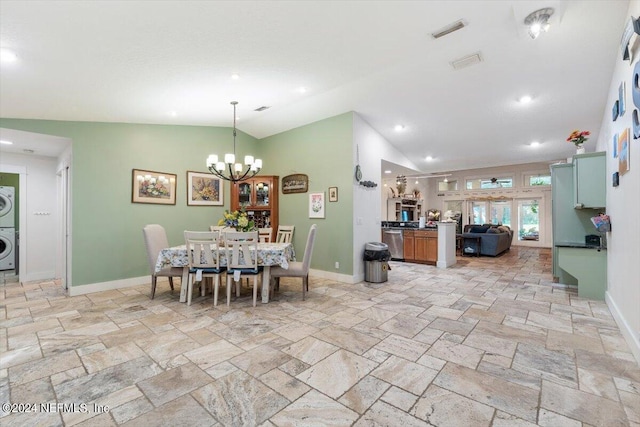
x,y
7,248
7,207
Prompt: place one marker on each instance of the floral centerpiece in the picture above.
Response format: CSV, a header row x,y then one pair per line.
x,y
238,220
578,137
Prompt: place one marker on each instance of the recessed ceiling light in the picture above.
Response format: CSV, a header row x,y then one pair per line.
x,y
7,55
387,171
173,113
302,89
428,158
6,142
535,144
416,181
235,76
399,128
525,99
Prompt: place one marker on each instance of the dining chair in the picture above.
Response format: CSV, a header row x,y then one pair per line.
x,y
242,260
264,234
155,239
285,233
297,268
204,261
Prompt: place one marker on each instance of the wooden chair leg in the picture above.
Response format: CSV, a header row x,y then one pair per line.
x,y
229,279
154,280
171,282
190,289
304,287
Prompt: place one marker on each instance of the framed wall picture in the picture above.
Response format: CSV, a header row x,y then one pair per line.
x,y
623,152
204,189
153,187
297,183
333,194
614,111
621,99
614,151
316,205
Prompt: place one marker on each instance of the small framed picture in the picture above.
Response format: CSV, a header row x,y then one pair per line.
x,y
153,187
614,110
316,205
621,99
204,189
333,194
614,151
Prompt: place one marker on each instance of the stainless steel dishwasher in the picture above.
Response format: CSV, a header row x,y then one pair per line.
x,y
393,238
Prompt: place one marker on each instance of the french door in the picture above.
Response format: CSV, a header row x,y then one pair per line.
x,y
529,220
490,212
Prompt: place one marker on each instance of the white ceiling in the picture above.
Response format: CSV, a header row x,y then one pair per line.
x,y
138,61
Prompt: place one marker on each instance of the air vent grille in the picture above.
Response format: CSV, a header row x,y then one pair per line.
x,y
264,107
458,25
466,61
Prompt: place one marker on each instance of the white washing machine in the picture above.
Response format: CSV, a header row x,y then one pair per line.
x,y
7,207
7,248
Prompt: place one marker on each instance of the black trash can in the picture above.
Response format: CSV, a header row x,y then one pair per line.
x,y
376,265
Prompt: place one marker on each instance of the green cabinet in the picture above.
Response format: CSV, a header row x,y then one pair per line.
x,y
578,192
589,178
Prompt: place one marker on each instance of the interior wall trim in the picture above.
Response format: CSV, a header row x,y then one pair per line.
x,y
632,337
113,284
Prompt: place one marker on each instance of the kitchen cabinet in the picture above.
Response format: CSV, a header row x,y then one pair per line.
x,y
426,246
259,197
588,266
421,246
409,242
589,177
571,225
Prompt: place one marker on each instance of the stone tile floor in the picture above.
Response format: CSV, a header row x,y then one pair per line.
x,y
489,342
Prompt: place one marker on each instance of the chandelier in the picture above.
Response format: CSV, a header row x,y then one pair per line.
x,y
230,170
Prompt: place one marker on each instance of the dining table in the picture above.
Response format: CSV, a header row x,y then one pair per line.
x,y
269,254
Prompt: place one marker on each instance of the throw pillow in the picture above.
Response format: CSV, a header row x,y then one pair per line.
x,y
479,229
504,228
493,230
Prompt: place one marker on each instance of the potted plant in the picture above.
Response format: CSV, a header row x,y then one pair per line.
x,y
578,138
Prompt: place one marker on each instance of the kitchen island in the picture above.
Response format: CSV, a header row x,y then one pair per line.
x,y
434,244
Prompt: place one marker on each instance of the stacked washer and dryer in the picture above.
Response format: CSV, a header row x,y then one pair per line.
x,y
7,228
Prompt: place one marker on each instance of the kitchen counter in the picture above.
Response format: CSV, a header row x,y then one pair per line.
x,y
578,245
433,244
589,267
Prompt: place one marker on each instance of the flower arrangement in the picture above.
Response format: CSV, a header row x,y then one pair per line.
x,y
578,137
238,220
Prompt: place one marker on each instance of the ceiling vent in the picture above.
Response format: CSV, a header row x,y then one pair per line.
x,y
264,107
466,61
458,25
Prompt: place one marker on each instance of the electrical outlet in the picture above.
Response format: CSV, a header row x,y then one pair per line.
x,y
337,265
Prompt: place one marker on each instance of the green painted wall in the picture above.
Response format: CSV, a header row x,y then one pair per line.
x,y
107,227
323,151
13,180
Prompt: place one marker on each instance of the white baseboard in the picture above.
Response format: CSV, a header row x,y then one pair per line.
x,y
631,336
107,286
39,276
343,278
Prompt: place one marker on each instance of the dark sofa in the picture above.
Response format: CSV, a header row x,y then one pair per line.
x,y
494,239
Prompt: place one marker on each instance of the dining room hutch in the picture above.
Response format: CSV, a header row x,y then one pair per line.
x,y
259,197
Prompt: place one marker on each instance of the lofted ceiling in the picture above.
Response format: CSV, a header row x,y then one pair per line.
x,y
171,62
